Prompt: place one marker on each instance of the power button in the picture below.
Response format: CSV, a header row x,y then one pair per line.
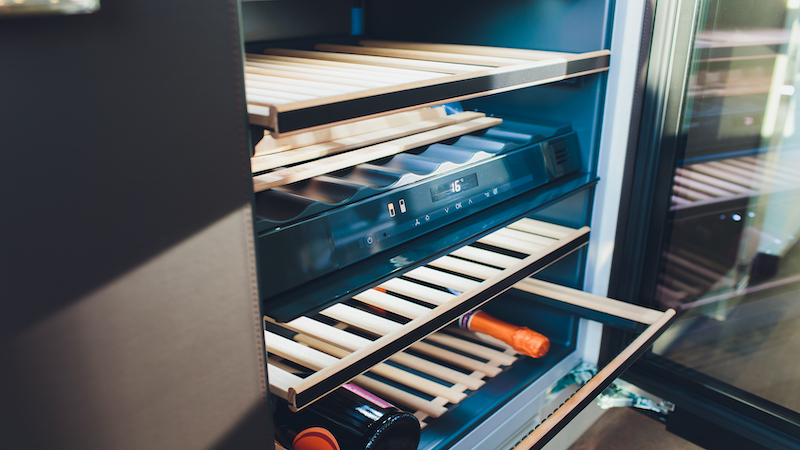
x,y
369,240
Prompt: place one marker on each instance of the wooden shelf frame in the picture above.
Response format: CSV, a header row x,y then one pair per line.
x,y
330,374
425,75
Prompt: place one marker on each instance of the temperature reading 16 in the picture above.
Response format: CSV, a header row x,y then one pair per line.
x,y
451,188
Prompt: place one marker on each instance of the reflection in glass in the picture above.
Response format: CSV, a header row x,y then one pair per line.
x,y
21,8
732,261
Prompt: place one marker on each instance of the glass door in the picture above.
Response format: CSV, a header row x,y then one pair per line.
x,y
730,259
720,216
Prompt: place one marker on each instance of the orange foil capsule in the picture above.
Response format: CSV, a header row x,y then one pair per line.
x,y
521,339
315,438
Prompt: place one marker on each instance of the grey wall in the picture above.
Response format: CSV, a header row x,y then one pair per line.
x,y
128,309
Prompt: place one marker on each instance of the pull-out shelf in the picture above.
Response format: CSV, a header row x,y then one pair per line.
x,y
401,320
291,90
541,243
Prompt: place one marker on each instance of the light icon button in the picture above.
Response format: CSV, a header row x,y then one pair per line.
x,y
402,204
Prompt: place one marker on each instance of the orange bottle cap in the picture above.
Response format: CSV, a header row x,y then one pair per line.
x,y
315,438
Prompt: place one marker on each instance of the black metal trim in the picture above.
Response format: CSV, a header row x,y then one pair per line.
x,y
738,411
644,209
639,95
348,281
705,433
345,375
299,119
591,314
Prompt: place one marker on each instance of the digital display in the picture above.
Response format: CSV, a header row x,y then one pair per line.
x,y
451,188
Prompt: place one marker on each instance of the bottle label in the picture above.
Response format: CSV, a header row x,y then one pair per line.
x,y
369,396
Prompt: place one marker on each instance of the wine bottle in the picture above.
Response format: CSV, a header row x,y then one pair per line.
x,y
521,339
355,418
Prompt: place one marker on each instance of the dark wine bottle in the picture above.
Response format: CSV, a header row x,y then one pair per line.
x,y
357,419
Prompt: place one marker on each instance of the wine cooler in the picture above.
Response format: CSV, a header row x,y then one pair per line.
x,y
394,217
220,215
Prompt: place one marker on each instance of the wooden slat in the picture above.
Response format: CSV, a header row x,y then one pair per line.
x,y
456,359
371,67
361,319
541,228
393,373
457,58
518,53
381,61
282,82
280,381
351,342
472,382
290,69
265,96
272,145
371,153
524,236
465,267
589,301
266,101
297,353
311,90
400,396
359,84
472,348
381,326
391,303
341,68
311,152
484,256
417,291
327,333
507,243
443,279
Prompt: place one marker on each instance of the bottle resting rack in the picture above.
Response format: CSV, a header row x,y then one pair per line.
x,y
400,320
292,90
421,309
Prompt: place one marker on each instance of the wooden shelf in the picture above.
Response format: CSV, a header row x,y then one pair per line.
x,y
427,298
293,90
429,370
